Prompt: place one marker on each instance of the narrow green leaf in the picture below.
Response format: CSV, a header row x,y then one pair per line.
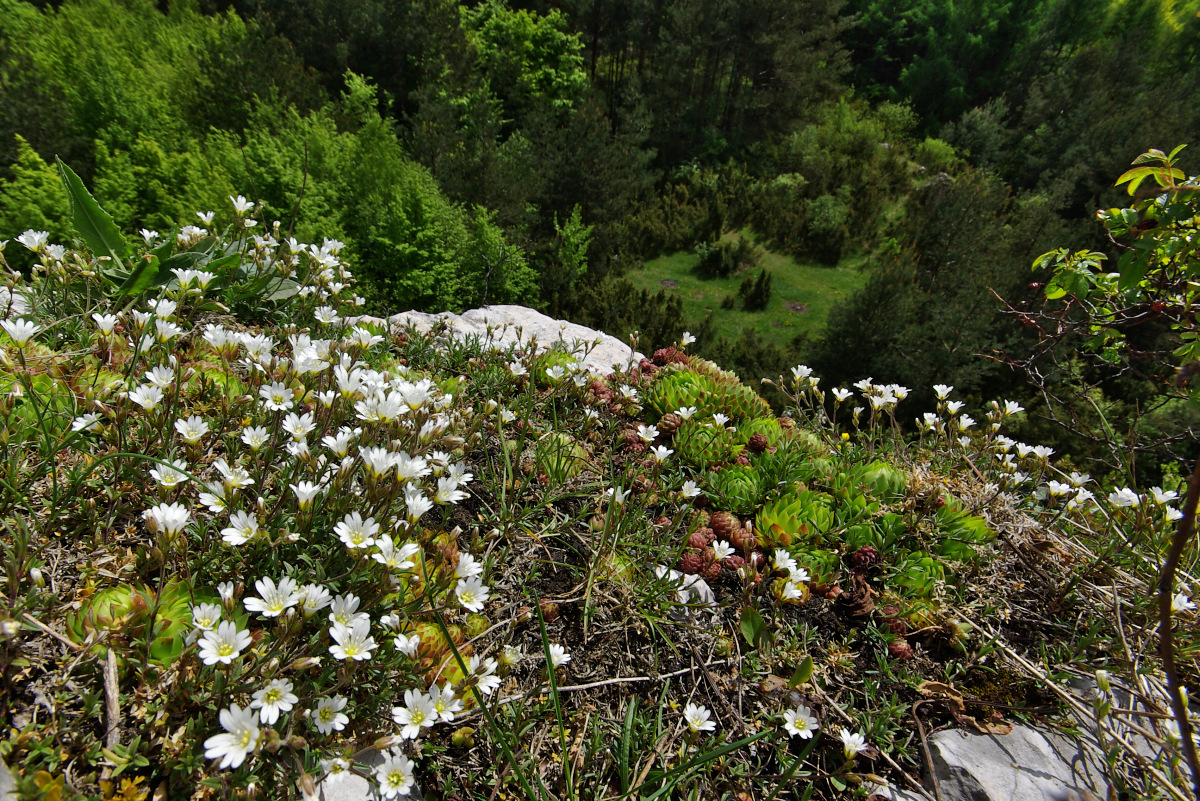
x,y
145,275
92,223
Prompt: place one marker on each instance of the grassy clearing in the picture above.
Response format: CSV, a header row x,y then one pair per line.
x,y
815,287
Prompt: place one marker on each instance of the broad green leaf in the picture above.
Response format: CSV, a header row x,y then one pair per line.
x,y
92,223
1133,266
286,289
1135,177
752,626
147,273
803,673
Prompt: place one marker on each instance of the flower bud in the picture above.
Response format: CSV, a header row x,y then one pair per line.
x,y
307,787
305,663
35,575
386,741
1103,681
463,737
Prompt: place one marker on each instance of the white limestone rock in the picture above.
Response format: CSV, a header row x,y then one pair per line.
x,y
501,326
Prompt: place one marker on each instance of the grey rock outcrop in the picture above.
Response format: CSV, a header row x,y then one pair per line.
x,y
501,326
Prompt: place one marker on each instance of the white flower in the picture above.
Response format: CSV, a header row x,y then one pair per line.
x,y
697,718
313,598
395,775
484,670
243,527
305,492
273,699
277,397
647,434
170,518
165,330
686,339
326,315
448,491
170,475
298,425
558,655
192,429
240,737
660,453
511,656
556,372
1079,479
234,477
205,616
965,422
1181,603
722,550
223,645
467,566
105,322
617,494
801,372
344,609
720,419
328,715
1161,497
444,702
689,489
352,642
1123,497
148,235
85,422
206,217
686,412
1173,514
34,240
274,599
356,532
853,743
336,770
954,406
791,591
147,396
161,376
416,502
407,645
240,205
800,722
472,593
416,714
1012,407
841,393
783,561
395,558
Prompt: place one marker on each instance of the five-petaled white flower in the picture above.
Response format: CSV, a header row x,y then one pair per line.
x,y
800,722
558,655
170,475
853,743
1182,603
444,702
277,397
192,430
417,713
147,396
170,518
407,644
20,331
273,699
356,532
472,593
689,489
353,641
274,598
223,645
1123,497
205,616
240,737
328,715
395,775
697,718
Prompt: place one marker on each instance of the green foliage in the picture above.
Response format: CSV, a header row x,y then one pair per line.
x,y
737,489
756,292
32,198
529,59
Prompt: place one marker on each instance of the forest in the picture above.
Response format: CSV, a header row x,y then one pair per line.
x,y
540,153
